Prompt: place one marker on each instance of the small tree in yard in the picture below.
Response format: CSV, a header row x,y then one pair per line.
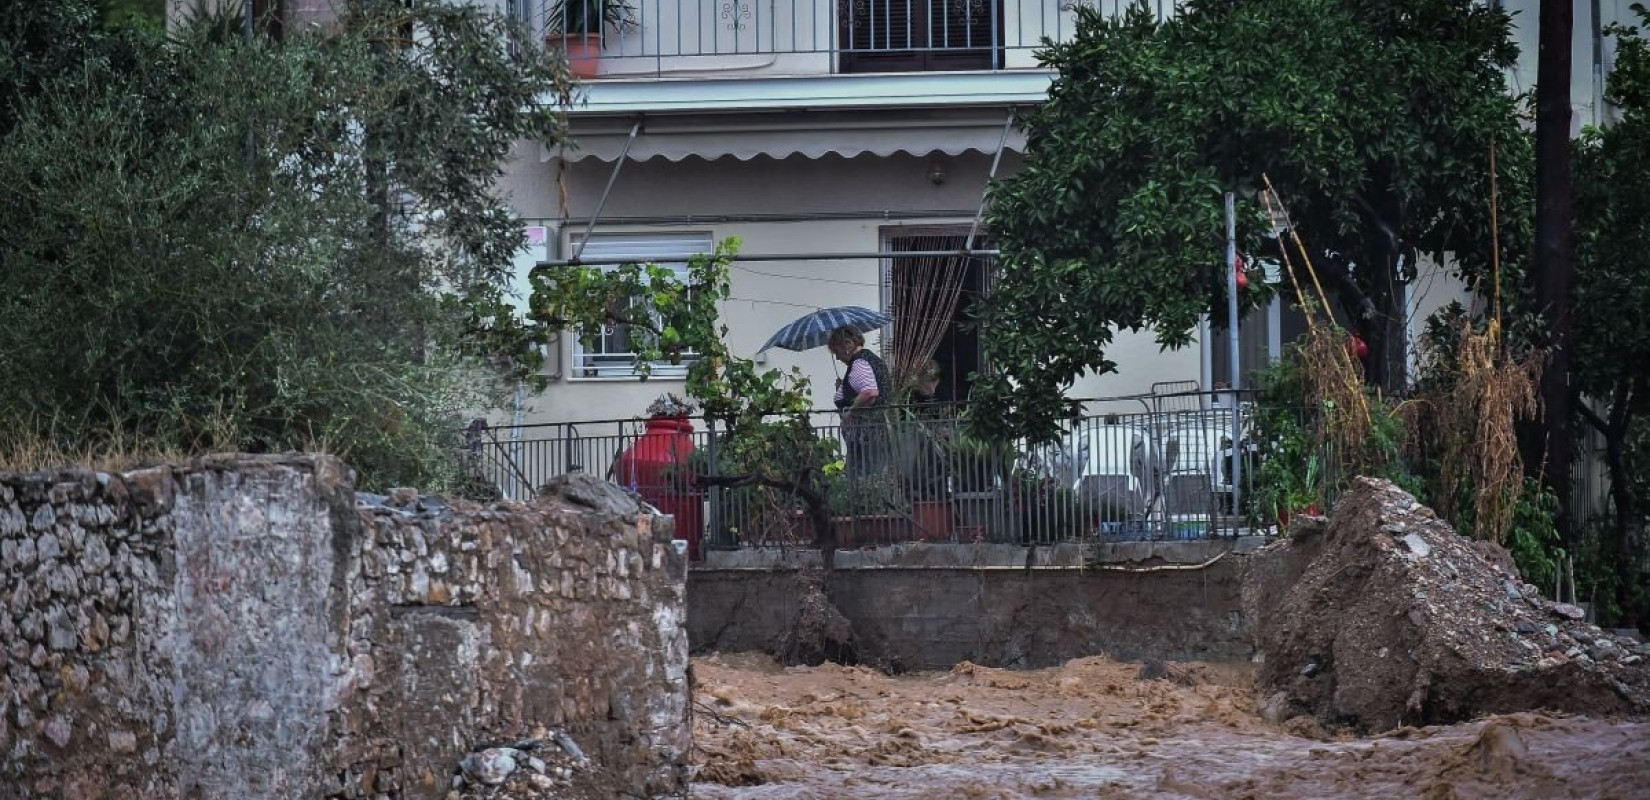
x,y
765,412
1375,122
1611,359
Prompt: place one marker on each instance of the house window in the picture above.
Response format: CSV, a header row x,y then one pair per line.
x,y
919,35
605,353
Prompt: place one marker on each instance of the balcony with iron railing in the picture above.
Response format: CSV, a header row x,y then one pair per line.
x,y
768,38
1164,472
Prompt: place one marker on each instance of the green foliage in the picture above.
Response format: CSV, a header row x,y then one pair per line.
x,y
141,13
768,441
1533,539
216,242
1299,467
1373,120
1611,338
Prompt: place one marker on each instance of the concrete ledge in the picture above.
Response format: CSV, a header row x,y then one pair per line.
x,y
917,555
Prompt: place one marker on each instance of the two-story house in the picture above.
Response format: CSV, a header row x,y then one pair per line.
x,y
832,137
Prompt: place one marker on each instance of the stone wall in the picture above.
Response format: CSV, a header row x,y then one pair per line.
x,y
937,617
246,627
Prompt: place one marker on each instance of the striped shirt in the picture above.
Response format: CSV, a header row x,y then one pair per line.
x,y
860,378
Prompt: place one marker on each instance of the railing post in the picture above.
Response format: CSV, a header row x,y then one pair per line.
x,y
714,518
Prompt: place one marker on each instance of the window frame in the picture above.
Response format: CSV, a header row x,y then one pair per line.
x,y
582,364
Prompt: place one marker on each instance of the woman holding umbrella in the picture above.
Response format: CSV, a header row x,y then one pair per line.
x,y
859,396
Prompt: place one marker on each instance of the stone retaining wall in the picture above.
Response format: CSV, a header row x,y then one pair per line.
x,y
245,627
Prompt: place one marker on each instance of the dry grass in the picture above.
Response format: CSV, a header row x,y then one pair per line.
x,y
1466,421
39,445
30,453
1334,381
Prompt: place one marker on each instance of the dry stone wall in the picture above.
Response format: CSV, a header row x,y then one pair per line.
x,y
248,627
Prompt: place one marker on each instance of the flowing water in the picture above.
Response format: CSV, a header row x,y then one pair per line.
x,y
1094,728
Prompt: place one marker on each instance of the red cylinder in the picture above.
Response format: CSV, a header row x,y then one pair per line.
x,y
657,468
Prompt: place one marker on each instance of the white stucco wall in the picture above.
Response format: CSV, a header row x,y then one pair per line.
x,y
834,204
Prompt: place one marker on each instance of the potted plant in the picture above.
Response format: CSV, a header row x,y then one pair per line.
x,y
579,25
865,510
919,460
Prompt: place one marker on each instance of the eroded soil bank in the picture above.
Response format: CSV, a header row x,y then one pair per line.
x,y
1095,728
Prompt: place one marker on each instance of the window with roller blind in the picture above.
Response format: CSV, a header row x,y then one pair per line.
x,y
605,353
919,35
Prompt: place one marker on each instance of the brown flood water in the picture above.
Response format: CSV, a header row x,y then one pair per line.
x,y
1093,729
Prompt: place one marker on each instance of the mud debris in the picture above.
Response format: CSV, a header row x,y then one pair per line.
x,y
1093,729
1383,616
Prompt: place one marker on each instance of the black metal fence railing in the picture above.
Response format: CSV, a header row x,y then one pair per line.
x,y
915,475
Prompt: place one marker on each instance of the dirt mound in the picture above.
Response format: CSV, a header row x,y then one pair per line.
x,y
1385,616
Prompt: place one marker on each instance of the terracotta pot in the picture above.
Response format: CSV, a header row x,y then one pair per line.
x,y
933,520
584,53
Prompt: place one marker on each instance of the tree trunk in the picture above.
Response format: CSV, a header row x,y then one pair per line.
x,y
1623,545
1554,252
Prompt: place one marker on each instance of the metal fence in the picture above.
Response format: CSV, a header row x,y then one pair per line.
x,y
917,474
660,37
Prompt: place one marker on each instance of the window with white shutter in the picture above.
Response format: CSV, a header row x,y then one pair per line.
x,y
605,353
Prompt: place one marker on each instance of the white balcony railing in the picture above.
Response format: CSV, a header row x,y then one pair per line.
x,y
706,38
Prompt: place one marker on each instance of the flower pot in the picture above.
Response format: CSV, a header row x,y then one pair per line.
x,y
870,530
932,520
584,52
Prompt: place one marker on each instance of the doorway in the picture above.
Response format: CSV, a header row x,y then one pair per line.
x,y
933,299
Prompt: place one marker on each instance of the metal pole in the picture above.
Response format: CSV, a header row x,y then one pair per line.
x,y
617,165
1232,335
1008,127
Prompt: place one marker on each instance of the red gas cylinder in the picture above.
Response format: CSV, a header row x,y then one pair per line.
x,y
656,467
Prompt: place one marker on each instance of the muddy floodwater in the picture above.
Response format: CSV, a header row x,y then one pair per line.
x,y
1095,728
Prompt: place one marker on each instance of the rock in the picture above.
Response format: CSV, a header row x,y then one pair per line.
x,y
1310,669
48,547
60,633
536,764
75,678
568,746
1525,626
542,783
1417,545
151,490
1152,670
1632,659
1568,611
122,742
584,489
58,730
1512,591
96,557
491,766
44,518
403,496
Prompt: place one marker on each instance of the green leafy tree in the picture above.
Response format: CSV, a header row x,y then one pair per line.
x,y
231,243
764,412
1374,121
1611,357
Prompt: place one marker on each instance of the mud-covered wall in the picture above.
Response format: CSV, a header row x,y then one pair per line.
x,y
934,618
246,627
